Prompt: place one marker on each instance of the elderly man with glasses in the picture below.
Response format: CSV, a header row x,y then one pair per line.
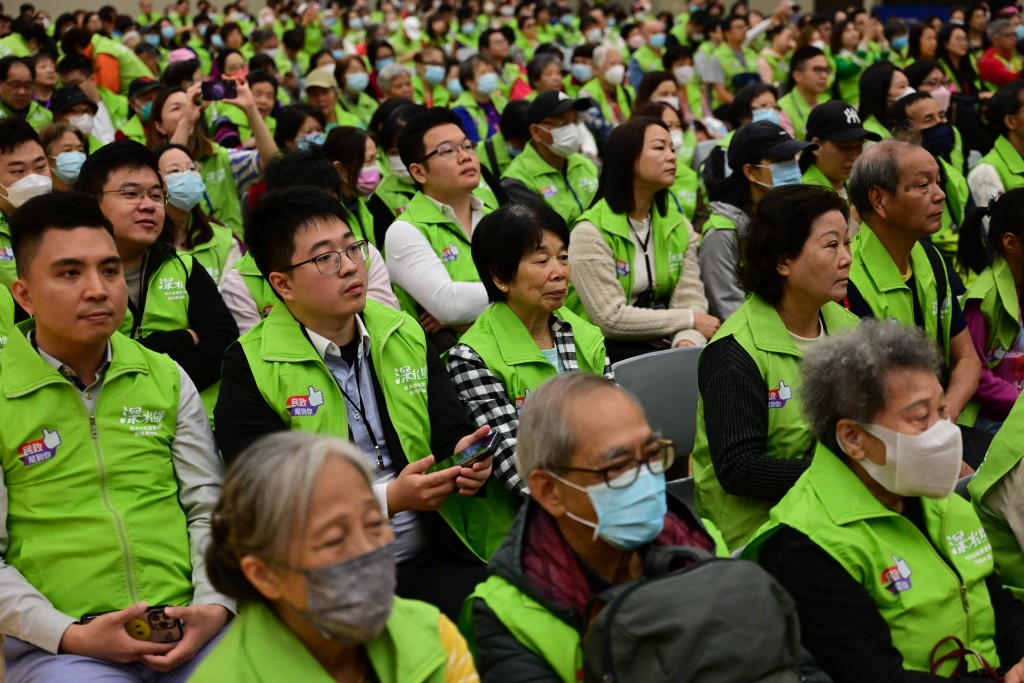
x,y
1000,64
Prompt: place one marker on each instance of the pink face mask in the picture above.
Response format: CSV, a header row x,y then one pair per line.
x,y
369,178
942,95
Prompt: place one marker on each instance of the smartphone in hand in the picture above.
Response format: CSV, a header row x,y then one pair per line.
x,y
219,90
471,454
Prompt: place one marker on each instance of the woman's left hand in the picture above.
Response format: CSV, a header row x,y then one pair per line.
x,y
244,99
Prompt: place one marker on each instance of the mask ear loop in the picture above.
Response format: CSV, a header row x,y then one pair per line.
x,y
574,517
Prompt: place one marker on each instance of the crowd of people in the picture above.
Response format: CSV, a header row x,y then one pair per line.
x,y
271,276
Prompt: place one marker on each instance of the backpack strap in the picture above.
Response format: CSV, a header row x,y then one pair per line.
x,y
941,286
492,156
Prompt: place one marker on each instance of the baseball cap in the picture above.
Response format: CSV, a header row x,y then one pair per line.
x,y
142,85
67,97
762,140
836,120
318,78
412,27
552,103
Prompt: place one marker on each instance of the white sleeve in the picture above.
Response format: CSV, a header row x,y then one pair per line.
x,y
985,184
378,285
239,301
1006,500
102,127
415,267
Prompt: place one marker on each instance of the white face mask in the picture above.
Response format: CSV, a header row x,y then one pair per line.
x,y
677,140
398,169
672,101
925,464
615,74
82,122
565,140
683,74
820,44
907,91
28,187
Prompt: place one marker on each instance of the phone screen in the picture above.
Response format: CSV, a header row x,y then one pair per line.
x,y
219,90
478,450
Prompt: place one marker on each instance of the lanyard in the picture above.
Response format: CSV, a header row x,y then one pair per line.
x,y
647,257
360,410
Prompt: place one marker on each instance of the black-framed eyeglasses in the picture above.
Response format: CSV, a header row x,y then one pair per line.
x,y
446,150
329,262
134,195
658,456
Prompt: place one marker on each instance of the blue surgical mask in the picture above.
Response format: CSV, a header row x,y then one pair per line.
x,y
626,517
768,114
168,32
434,74
69,165
146,112
900,42
357,82
185,189
566,20
153,39
487,84
468,28
454,87
383,62
337,53
217,41
330,22
356,24
310,141
1019,30
658,41
512,151
582,72
784,173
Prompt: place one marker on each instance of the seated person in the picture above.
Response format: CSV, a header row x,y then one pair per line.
x,y
596,474
883,563
526,335
301,542
24,173
110,472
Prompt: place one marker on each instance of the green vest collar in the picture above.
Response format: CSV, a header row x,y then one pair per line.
x,y
1009,155
815,176
617,224
767,328
883,270
284,340
842,495
536,163
422,210
1005,286
513,340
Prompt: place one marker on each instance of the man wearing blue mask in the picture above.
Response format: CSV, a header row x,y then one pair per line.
x,y
647,57
596,473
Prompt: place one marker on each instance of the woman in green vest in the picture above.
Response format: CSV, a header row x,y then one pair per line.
x,y
299,126
527,335
396,188
881,85
851,57
992,305
794,262
634,255
353,80
187,224
300,541
354,154
66,150
686,190
883,563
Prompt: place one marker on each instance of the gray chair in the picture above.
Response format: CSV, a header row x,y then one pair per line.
x,y
683,490
665,383
961,486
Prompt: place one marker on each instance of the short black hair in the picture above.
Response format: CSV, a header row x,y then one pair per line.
x,y
484,41
897,117
779,229
110,158
502,239
7,62
262,77
53,211
271,226
389,120
410,140
262,62
179,72
801,57
14,133
625,145
514,124
674,54
75,63
741,112
294,38
650,82
300,167
347,146
290,120
1006,102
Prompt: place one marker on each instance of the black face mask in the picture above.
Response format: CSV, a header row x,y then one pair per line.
x,y
938,140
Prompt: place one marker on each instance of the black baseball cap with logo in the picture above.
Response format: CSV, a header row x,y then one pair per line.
x,y
837,121
552,103
762,140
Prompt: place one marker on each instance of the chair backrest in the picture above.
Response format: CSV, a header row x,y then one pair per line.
x,y
665,383
961,486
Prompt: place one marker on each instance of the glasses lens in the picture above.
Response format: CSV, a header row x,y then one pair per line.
x,y
329,263
358,252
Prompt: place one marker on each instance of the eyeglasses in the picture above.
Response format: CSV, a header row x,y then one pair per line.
x,y
18,85
135,195
657,457
196,166
446,150
936,83
821,70
329,262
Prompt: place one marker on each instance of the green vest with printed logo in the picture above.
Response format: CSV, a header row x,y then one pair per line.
x,y
129,65
925,587
669,239
89,527
6,315
684,190
1007,162
295,382
733,66
1004,453
449,241
797,109
510,353
623,97
221,190
213,255
8,269
569,192
469,103
649,59
957,194
757,327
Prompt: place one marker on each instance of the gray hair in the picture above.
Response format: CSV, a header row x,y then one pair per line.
x,y
546,439
536,66
601,53
878,166
266,497
388,74
845,375
998,26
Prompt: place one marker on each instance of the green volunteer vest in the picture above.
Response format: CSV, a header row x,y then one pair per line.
x,y
133,129
685,189
873,125
569,192
130,66
815,176
259,648
1007,162
510,354
623,98
1003,455
878,280
395,193
449,241
797,110
717,222
944,593
213,255
957,194
263,294
362,108
650,60
757,327
117,106
287,368
670,238
238,117
221,189
733,66
35,116
362,221
14,45
494,156
8,270
88,527
6,315
344,118
438,94
779,67
476,112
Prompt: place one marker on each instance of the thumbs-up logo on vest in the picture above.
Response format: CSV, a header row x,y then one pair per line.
x,y
40,450
305,405
777,398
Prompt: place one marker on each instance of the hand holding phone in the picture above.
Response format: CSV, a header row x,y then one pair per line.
x,y
219,90
152,626
473,453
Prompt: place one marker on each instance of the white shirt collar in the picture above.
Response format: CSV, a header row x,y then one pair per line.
x,y
476,206
325,346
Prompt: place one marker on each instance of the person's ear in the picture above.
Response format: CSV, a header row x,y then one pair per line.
x,y
783,266
418,172
750,173
1011,244
21,294
1010,121
851,438
282,284
262,577
544,490
338,168
878,201
817,150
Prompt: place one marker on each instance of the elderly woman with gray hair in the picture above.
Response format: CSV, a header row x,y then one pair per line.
x,y
893,577
596,474
395,82
302,543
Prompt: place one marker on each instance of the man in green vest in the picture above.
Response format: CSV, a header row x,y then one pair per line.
x,y
16,77
327,361
428,247
24,173
896,273
480,105
110,472
1002,168
647,57
77,70
494,44
808,71
734,64
551,169
579,434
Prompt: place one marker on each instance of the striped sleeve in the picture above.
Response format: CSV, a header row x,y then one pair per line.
x,y
460,667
